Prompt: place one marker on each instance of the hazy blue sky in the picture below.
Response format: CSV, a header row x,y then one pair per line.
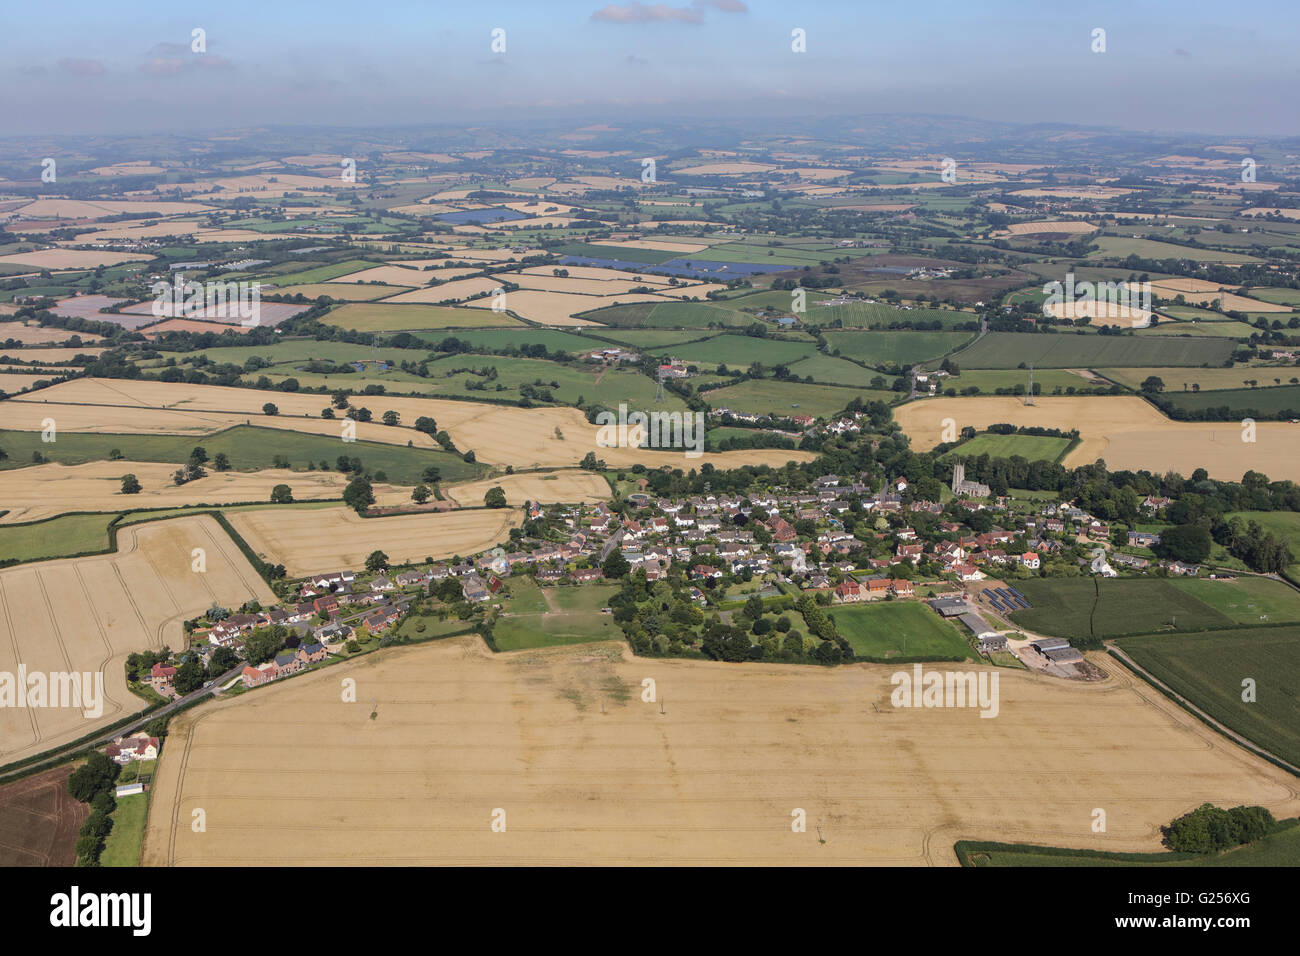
x,y
80,66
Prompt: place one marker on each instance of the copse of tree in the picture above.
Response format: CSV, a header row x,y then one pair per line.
x,y
1210,829
131,485
359,495
1187,542
615,566
495,497
189,676
281,495
96,775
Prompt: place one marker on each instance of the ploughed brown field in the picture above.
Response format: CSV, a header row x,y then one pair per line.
x,y
88,614
39,820
586,772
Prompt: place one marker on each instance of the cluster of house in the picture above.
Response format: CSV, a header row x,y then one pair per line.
x,y
288,661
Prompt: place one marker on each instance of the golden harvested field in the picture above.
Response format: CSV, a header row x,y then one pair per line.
x,y
498,434
1104,313
723,169
550,488
552,283
12,382
1200,292
88,614
587,773
449,291
1122,429
315,540
99,208
39,335
1073,192
663,245
1033,228
559,308
21,415
43,491
70,258
1284,212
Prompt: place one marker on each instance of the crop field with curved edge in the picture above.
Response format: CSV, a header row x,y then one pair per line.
x,y
497,434
88,614
316,540
587,773
1121,429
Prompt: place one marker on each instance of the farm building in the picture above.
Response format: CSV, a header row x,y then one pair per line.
x,y
950,606
1057,650
978,626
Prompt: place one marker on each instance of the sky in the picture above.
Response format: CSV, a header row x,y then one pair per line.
x,y
1180,65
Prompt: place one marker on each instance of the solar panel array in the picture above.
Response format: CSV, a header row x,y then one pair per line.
x,y
1005,599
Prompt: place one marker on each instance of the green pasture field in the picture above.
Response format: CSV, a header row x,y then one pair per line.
x,y
1191,313
1071,608
897,629
1204,329
319,273
565,615
122,846
838,371
863,315
988,381
288,350
388,317
1045,350
574,381
1057,271
740,351
1209,379
1029,447
1247,600
899,348
1281,848
1116,247
1278,296
55,537
1283,524
1243,401
647,338
1208,670
715,435
762,253
668,315
572,343
248,447
779,300
773,397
